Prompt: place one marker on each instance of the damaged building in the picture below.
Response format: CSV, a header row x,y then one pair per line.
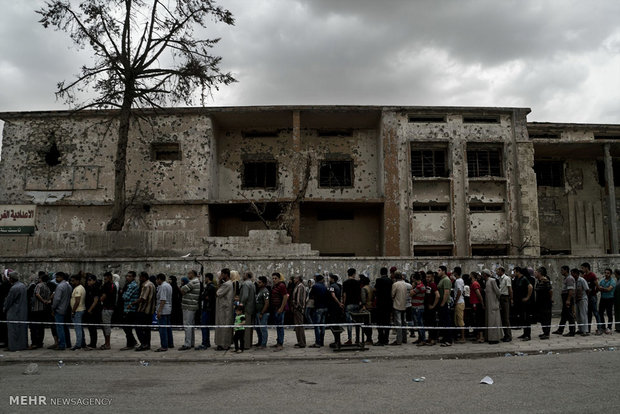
x,y
364,181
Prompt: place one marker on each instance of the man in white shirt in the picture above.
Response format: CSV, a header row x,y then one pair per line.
x,y
459,303
505,301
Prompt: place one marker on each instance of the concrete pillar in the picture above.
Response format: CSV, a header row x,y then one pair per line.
x,y
611,200
297,176
391,188
460,216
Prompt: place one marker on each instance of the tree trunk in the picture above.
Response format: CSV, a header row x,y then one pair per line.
x,y
117,221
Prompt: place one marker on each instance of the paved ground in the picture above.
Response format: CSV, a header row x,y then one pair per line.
x,y
576,382
469,350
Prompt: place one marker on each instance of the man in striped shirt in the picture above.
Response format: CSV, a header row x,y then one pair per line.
x,y
189,304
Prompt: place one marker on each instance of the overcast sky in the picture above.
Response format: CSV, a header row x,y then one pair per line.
x,y
560,58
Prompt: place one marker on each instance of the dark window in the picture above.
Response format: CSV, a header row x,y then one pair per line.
x,y
335,132
482,250
481,208
484,162
52,156
336,174
603,136
427,118
430,207
165,151
272,133
549,173
331,214
261,174
544,135
472,119
345,254
432,251
428,163
600,167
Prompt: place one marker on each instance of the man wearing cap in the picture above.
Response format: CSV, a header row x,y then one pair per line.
x,y
16,310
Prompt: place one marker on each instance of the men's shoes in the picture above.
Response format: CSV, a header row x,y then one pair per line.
x,y
185,348
598,332
557,332
378,344
394,343
143,348
299,346
584,334
444,344
201,347
522,336
161,349
348,342
127,348
315,346
569,334
544,337
506,339
526,338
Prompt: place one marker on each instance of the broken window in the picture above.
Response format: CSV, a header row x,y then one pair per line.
x,y
433,119
484,163
600,167
334,214
430,208
549,173
336,174
544,135
165,151
52,156
428,163
260,174
480,119
432,251
484,208
489,250
335,132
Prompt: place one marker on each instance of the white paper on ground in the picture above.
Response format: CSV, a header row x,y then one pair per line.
x,y
487,380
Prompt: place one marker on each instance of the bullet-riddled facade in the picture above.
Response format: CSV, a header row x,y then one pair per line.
x,y
348,181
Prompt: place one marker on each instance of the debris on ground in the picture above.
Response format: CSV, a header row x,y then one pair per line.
x,y
32,369
487,380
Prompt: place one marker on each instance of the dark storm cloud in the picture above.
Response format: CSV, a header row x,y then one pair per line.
x,y
558,57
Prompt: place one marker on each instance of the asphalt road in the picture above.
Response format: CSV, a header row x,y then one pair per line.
x,y
576,382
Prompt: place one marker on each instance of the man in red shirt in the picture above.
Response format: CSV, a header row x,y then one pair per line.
x,y
592,280
277,301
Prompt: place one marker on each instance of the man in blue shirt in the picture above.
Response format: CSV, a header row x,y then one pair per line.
x,y
131,294
318,293
607,286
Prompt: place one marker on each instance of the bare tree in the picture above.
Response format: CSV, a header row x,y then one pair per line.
x,y
132,42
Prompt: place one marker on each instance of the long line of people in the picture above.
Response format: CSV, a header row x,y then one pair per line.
x,y
441,307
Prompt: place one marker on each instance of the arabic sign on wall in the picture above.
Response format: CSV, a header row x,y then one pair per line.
x,y
17,220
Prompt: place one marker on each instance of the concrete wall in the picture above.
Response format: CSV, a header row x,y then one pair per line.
x,y
307,266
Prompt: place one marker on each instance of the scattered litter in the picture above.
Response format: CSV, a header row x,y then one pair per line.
x,y
61,364
32,369
421,379
519,354
366,360
507,354
610,348
307,382
145,363
487,380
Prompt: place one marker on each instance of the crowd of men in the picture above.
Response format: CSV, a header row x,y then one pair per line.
x,y
441,307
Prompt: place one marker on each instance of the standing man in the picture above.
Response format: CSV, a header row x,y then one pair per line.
x,y
399,304
262,315
431,300
568,303
544,301
418,292
505,302
299,307
108,299
607,287
444,287
16,310
459,303
367,299
131,294
146,308
522,292
279,299
247,297
78,306
318,293
189,304
224,311
164,309
335,308
60,306
351,296
581,301
207,316
40,310
383,293
592,280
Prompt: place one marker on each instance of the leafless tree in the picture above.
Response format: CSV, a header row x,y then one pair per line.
x,y
145,55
